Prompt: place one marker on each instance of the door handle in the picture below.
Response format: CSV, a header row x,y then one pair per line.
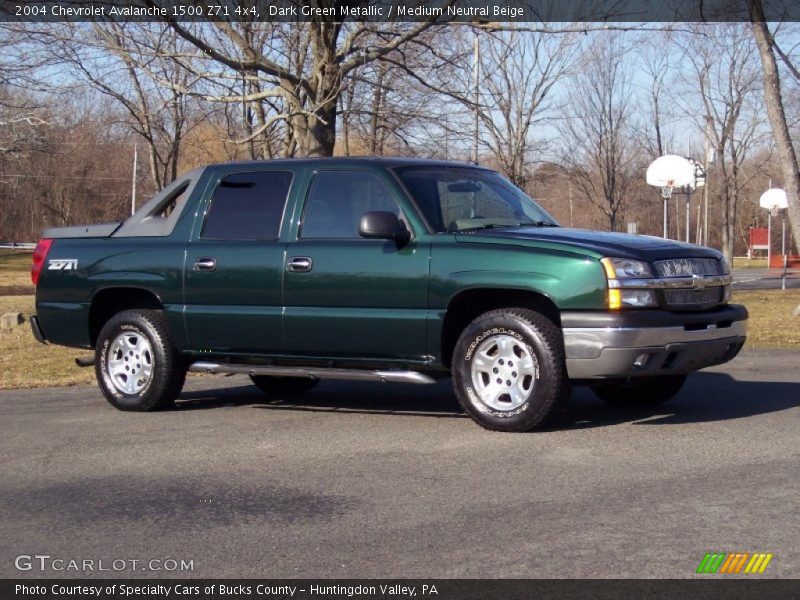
x,y
300,264
205,263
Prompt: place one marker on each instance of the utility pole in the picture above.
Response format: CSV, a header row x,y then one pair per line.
x,y
133,186
476,72
571,222
706,164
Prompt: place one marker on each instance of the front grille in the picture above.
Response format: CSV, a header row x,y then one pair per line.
x,y
683,298
686,267
699,296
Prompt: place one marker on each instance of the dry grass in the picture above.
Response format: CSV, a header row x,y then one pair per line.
x,y
15,268
771,322
753,263
25,363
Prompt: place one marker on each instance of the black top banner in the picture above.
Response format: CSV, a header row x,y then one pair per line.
x,y
483,11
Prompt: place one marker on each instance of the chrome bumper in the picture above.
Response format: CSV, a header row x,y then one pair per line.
x,y
619,352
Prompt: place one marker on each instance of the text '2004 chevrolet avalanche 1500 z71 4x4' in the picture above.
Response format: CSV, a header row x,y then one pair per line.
x,y
292,271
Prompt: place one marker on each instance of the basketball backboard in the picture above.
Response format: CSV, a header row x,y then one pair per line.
x,y
671,170
773,199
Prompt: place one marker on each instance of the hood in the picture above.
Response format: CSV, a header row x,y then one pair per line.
x,y
600,243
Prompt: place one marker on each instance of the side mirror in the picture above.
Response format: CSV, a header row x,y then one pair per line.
x,y
382,225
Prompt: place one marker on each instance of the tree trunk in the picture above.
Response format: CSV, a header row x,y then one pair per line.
x,y
777,115
314,135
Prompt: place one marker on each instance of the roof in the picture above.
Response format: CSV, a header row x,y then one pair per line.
x,y
356,160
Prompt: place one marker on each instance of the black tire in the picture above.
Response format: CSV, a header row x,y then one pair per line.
x,y
167,370
286,386
640,391
532,399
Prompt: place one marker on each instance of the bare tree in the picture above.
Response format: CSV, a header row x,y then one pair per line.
x,y
21,115
597,133
773,98
127,62
725,78
520,71
655,136
383,110
300,67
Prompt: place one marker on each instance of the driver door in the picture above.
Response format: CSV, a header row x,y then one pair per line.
x,y
347,296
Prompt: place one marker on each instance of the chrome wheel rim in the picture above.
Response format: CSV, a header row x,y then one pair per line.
x,y
130,362
504,372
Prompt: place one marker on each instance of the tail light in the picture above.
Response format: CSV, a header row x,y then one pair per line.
x,y
39,256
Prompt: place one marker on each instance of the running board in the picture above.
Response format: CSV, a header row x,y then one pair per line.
x,y
313,372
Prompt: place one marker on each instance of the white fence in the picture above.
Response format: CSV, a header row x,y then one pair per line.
x,y
17,246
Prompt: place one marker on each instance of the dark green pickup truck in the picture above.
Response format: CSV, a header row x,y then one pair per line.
x,y
292,271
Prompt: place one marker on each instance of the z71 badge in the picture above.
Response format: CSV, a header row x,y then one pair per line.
x,y
63,264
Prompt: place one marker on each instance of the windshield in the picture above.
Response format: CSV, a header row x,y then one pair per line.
x,y
463,198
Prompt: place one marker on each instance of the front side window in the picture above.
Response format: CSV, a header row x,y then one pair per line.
x,y
337,201
248,206
463,198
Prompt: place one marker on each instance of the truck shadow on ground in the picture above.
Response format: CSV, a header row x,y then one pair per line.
x,y
705,397
338,397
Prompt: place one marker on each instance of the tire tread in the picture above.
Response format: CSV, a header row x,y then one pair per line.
x,y
552,340
173,371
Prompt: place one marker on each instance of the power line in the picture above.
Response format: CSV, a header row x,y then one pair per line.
x,y
64,177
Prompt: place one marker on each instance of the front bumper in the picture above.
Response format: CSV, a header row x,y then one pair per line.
x,y
603,345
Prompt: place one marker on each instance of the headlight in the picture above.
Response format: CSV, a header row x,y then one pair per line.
x,y
623,268
638,298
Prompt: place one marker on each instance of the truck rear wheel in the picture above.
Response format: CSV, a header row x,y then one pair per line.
x,y
640,391
509,371
289,386
136,362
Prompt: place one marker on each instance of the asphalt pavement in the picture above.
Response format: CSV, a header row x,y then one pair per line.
x,y
764,279
372,480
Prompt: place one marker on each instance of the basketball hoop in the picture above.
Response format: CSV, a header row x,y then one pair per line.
x,y
665,173
774,200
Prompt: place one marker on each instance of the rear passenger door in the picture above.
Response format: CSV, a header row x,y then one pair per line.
x,y
347,296
234,265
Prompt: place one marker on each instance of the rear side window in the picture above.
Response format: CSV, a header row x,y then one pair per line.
x,y
248,206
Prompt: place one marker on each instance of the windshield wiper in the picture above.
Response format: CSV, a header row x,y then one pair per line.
x,y
507,225
486,226
538,224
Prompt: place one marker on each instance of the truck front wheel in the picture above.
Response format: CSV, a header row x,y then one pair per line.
x,y
640,391
136,362
509,371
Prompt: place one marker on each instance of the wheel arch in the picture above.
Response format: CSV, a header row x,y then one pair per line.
x,y
109,301
468,304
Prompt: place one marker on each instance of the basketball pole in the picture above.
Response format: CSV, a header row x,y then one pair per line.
x,y
688,213
666,216
769,239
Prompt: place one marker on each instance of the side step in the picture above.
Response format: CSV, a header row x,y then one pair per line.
x,y
314,372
